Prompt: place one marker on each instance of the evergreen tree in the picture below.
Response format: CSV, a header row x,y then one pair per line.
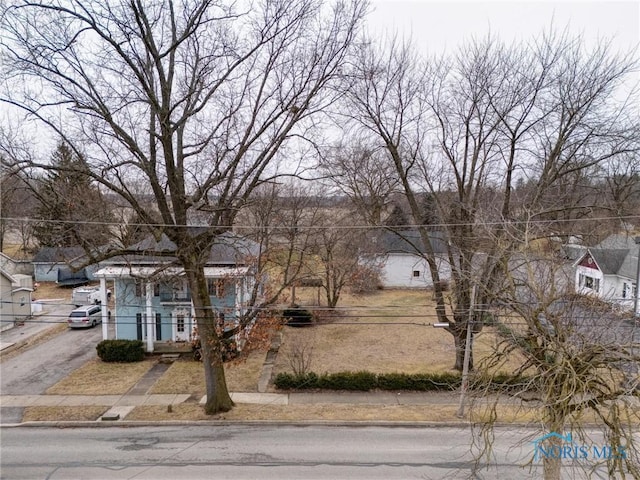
x,y
397,217
71,209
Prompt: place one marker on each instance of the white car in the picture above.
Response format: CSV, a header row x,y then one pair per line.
x,y
85,317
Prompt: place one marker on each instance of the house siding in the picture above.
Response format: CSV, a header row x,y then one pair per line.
x,y
6,303
398,271
130,308
15,300
585,286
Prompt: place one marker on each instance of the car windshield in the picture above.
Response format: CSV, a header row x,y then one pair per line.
x,y
78,314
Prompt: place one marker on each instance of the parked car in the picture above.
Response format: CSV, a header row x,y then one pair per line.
x,y
85,317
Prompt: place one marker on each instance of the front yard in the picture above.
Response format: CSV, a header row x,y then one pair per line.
x,y
385,332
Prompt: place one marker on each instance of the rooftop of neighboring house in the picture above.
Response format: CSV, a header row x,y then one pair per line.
x,y
408,241
228,249
58,254
616,255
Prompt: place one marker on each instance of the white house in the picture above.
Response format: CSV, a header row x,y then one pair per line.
x,y
400,256
15,298
609,270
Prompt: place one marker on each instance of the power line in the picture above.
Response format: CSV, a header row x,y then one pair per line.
x,y
321,227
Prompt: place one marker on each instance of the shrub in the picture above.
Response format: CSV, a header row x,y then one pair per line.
x,y
120,350
364,381
422,382
361,381
290,381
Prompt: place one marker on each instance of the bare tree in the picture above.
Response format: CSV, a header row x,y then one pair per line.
x,y
466,128
282,218
339,246
580,366
368,180
196,100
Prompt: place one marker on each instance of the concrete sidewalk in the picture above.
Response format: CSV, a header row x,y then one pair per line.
x,y
119,406
290,398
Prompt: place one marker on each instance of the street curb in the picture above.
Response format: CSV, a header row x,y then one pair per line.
x,y
252,423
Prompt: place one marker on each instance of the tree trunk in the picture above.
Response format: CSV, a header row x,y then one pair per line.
x,y
552,464
218,398
460,341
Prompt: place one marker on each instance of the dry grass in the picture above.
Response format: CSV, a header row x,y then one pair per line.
x,y
101,378
187,376
317,412
15,251
69,414
50,290
328,412
388,331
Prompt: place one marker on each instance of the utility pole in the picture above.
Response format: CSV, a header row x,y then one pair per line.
x,y
467,355
636,297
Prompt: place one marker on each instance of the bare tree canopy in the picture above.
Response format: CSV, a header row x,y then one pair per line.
x,y
193,102
466,128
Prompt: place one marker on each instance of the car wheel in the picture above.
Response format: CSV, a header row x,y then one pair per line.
x,y
93,323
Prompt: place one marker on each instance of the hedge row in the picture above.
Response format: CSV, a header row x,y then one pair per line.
x,y
120,351
365,381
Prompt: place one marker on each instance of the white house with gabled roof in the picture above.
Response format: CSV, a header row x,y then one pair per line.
x,y
609,270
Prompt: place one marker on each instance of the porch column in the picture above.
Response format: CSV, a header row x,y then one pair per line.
x,y
105,308
149,316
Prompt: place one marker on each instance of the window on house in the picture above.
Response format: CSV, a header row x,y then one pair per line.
x,y
141,289
217,287
416,273
590,282
180,323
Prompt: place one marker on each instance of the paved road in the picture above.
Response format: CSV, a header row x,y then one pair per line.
x,y
264,451
38,368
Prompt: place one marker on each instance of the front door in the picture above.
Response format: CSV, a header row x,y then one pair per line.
x,y
181,325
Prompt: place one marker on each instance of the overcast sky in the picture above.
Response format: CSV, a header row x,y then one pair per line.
x,y
440,25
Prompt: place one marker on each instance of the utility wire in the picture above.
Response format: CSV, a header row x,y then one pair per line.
x,y
321,227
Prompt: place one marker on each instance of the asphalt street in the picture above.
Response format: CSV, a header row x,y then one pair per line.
x,y
269,452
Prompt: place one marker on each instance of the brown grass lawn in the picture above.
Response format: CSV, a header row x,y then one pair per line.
x,y
101,378
50,290
388,331
321,412
187,376
477,413
68,414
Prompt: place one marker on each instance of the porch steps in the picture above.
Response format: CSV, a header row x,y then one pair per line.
x,y
169,357
172,347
